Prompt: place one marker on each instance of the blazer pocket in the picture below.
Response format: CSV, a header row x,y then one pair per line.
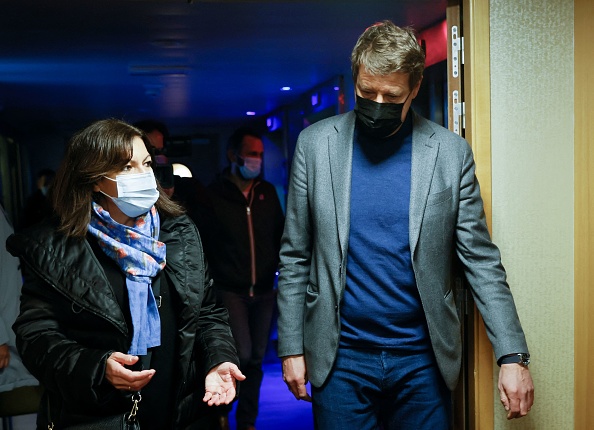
x,y
439,197
311,293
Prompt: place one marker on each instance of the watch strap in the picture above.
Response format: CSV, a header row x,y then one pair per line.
x,y
519,358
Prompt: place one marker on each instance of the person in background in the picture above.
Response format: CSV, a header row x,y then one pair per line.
x,y
381,203
188,192
13,373
37,206
157,133
117,297
165,178
193,196
243,251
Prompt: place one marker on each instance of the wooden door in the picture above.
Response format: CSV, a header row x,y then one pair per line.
x,y
469,116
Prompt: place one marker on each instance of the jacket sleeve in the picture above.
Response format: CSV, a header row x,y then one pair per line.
x,y
295,259
481,260
58,362
214,333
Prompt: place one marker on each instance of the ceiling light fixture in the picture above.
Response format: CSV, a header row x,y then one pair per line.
x,y
315,99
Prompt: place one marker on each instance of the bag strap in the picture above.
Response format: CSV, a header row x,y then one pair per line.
x,y
136,399
50,423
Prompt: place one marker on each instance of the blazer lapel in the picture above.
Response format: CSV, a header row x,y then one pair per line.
x,y
340,154
424,156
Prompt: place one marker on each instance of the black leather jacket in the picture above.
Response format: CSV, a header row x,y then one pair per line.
x,y
70,322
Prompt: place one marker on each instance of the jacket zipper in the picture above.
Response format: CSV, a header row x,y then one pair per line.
x,y
252,241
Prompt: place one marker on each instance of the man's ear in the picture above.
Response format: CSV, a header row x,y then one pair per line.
x,y
415,90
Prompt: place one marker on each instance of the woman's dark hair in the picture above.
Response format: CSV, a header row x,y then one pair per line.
x,y
96,151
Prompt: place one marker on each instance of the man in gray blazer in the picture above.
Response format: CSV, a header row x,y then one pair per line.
x,y
381,202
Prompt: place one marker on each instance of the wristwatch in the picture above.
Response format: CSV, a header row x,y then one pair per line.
x,y
520,358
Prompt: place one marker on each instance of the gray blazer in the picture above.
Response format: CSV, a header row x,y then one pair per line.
x,y
446,219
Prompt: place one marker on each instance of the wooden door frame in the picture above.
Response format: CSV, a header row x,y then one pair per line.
x,y
474,395
477,98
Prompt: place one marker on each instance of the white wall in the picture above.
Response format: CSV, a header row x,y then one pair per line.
x,y
532,167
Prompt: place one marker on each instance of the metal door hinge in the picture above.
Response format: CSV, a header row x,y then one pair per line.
x,y
457,51
458,112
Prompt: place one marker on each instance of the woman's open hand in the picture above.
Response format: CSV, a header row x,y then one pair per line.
x,y
219,384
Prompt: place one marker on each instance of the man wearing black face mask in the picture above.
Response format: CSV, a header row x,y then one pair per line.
x,y
242,246
381,202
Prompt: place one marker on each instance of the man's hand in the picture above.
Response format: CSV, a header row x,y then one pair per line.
x,y
4,355
219,385
125,379
295,376
516,390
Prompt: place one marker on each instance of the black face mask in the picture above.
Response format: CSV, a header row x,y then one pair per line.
x,y
378,119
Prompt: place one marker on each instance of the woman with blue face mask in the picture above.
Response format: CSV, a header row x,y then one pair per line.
x,y
117,307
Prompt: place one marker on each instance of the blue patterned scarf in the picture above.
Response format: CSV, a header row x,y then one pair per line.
x,y
141,256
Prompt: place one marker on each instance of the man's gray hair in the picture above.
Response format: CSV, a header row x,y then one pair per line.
x,y
385,48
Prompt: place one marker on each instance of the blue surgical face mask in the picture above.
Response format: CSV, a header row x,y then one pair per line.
x,y
252,166
137,193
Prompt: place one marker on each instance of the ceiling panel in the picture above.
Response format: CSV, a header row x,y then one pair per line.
x,y
193,64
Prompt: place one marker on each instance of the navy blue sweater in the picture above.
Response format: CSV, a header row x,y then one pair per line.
x,y
381,307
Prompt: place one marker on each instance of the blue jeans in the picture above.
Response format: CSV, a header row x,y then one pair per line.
x,y
250,319
374,389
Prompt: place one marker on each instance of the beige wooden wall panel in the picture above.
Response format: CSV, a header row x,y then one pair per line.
x,y
584,213
532,129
